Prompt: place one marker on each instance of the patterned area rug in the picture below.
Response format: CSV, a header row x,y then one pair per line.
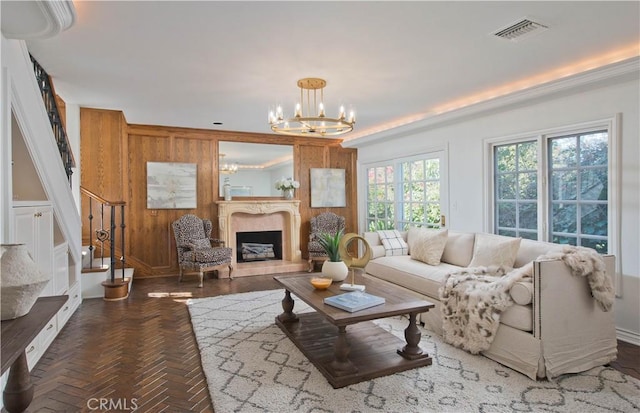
x,y
251,366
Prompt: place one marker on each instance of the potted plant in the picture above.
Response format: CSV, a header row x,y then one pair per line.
x,y
334,268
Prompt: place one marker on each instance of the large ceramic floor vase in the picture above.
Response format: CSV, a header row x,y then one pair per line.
x,y
337,271
21,281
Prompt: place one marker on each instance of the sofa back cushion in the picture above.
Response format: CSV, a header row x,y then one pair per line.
x,y
459,248
530,250
427,245
491,249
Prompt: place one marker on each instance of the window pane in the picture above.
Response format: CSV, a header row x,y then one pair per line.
x,y
371,176
528,185
528,216
507,186
417,171
593,149
433,169
601,246
593,184
388,173
529,235
563,185
564,218
507,214
505,158
564,152
527,156
593,220
564,240
507,233
433,214
390,193
433,191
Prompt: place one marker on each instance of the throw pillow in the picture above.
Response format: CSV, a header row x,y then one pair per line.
x,y
198,244
393,242
427,245
492,249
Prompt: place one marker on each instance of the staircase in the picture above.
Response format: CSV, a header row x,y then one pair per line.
x,y
98,270
104,274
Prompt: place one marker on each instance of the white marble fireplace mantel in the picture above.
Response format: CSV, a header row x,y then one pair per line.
x,y
278,214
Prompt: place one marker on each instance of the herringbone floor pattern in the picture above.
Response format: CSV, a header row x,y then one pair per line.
x,y
140,352
143,350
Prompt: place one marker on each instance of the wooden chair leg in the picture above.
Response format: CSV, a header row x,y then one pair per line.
x,y
180,275
230,272
201,278
310,265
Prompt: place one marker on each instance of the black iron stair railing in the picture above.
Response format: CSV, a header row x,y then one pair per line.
x,y
49,99
104,235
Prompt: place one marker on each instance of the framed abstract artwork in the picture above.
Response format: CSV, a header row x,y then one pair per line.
x,y
171,185
328,188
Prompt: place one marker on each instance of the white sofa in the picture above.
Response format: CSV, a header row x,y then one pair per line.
x,y
554,327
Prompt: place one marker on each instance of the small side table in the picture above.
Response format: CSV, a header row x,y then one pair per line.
x,y
16,336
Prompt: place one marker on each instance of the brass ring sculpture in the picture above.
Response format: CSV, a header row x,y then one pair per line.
x,y
349,260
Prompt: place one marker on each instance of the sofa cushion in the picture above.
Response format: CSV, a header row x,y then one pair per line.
x,y
519,317
394,243
522,292
459,248
490,249
530,250
427,245
409,273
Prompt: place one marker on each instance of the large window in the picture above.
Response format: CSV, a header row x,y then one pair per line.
x,y
406,192
555,187
578,193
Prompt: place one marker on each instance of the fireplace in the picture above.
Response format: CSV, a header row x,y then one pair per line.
x,y
258,246
237,217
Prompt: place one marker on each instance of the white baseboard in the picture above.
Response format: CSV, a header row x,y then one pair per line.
x,y
628,336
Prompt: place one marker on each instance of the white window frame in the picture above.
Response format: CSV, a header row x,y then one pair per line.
x,y
542,137
440,152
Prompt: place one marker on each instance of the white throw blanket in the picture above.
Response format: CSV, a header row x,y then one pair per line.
x,y
474,298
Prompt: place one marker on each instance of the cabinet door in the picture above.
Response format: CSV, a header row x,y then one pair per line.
x,y
34,227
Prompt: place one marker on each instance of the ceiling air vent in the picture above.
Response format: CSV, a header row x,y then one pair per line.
x,y
518,31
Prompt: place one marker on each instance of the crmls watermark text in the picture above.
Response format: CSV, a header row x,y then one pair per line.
x,y
104,404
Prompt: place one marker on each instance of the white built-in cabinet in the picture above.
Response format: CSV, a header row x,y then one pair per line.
x,y
33,226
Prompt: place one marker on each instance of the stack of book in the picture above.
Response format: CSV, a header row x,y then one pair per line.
x,y
354,301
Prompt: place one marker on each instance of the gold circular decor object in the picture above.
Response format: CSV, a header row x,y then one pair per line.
x,y
351,261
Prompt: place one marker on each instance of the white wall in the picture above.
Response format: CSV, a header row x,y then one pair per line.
x,y
466,169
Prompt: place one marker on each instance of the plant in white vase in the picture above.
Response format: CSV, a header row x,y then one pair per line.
x,y
334,267
287,186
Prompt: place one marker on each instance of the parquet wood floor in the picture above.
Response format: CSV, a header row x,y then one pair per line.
x,y
143,350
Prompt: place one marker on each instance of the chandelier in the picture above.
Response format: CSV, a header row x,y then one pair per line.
x,y
226,168
309,118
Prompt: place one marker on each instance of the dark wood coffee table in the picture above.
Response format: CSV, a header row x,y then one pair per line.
x,y
367,351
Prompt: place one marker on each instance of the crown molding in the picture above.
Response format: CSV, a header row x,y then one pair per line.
x,y
38,19
619,71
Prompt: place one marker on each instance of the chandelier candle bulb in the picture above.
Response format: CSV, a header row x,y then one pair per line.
x,y
310,118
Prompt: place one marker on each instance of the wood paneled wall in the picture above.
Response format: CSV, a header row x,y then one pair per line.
x,y
114,157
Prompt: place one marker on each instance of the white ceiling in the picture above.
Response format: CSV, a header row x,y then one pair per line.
x,y
190,64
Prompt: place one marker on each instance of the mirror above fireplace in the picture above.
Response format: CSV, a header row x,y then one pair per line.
x,y
259,166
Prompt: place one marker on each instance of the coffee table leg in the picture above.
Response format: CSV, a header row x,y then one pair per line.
x,y
341,365
412,334
288,315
